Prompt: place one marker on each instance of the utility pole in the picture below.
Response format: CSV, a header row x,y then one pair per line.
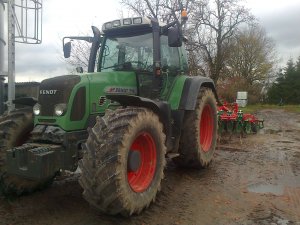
x,y
2,62
11,55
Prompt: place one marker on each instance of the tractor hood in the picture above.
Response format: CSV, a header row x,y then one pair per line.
x,y
82,96
108,83
54,91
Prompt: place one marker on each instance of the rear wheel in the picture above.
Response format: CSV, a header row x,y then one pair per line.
x,y
199,134
123,163
15,128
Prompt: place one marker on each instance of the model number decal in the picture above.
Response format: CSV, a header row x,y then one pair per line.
x,y
48,92
120,90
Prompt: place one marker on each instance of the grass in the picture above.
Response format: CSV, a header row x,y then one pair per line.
x,y
254,108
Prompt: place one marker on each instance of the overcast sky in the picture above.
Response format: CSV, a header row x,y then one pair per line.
x,y
280,18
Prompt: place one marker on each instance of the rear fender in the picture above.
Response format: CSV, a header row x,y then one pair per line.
x,y
191,89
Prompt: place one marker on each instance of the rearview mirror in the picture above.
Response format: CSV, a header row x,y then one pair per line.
x,y
67,49
174,37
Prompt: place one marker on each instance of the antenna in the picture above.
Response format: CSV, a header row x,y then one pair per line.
x,y
24,25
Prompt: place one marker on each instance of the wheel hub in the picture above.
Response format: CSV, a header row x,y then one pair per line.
x,y
206,128
141,162
134,160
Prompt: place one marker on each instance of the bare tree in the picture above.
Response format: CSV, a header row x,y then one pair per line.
x,y
252,55
164,10
80,55
212,25
251,61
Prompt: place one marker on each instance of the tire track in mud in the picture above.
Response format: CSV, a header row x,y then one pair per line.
x,y
293,193
285,176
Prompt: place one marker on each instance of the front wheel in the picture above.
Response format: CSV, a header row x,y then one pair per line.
x,y
199,133
123,163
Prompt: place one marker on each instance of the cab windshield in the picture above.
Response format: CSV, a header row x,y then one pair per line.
x,y
128,54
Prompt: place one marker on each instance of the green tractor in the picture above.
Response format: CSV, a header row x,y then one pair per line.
x,y
135,107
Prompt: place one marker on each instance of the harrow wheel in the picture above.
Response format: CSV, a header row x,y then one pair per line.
x,y
247,127
254,127
229,126
199,134
239,127
123,162
221,127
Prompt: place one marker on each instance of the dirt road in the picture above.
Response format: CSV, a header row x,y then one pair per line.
x,y
253,180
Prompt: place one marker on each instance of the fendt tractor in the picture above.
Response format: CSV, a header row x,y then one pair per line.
x,y
135,107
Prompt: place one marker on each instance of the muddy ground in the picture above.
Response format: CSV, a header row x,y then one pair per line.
x,y
253,180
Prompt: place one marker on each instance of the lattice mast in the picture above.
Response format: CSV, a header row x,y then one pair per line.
x,y
24,24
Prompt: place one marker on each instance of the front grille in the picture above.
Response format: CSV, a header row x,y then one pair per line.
x,y
47,120
102,100
54,91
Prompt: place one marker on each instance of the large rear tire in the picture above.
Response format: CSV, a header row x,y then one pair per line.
x,y
15,128
123,162
199,134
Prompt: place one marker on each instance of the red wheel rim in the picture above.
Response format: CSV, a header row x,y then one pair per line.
x,y
206,128
140,180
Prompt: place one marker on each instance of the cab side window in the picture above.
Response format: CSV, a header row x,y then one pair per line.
x,y
184,58
169,58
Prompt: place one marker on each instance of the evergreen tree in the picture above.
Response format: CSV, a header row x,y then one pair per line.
x,y
286,89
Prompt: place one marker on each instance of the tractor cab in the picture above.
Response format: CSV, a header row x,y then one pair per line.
x,y
143,45
150,49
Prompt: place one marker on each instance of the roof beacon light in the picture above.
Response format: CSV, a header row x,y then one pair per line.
x,y
137,20
184,16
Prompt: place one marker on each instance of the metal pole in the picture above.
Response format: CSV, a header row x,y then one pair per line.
x,y
11,54
2,45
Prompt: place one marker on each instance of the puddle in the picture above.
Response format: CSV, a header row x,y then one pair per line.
x,y
271,219
289,131
263,188
269,131
286,181
286,142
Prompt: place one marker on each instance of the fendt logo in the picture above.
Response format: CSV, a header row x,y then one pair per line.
x,y
48,92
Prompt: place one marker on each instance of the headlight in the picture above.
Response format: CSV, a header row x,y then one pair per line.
x,y
36,109
60,109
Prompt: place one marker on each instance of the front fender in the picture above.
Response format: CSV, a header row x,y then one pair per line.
x,y
162,109
27,101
